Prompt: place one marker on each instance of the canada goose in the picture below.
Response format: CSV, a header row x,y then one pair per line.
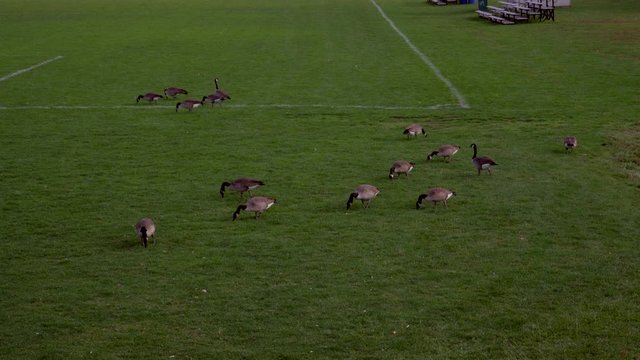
x,y
444,151
364,193
257,204
223,95
188,104
400,167
145,228
149,97
214,99
414,130
570,143
241,185
435,195
174,91
482,162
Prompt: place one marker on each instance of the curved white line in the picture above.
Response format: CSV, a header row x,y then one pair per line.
x,y
425,59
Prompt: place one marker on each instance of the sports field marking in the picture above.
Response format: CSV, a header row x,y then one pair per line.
x,y
234,106
6,77
425,59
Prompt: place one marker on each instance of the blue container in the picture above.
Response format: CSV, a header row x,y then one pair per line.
x,y
467,1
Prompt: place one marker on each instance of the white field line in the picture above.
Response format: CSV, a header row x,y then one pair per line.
x,y
235,106
6,77
425,59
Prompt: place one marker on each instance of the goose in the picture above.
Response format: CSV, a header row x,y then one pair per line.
x,y
364,193
174,91
445,151
482,162
414,130
220,93
241,185
188,104
570,143
400,167
149,97
435,195
257,204
214,99
145,228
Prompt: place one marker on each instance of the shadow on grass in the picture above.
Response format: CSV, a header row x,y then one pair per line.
x,y
130,243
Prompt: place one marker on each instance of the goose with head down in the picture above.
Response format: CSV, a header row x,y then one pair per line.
x,y
150,97
188,104
570,143
145,228
174,91
444,151
256,204
414,130
435,195
400,167
364,193
241,185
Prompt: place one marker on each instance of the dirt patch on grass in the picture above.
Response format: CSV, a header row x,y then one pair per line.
x,y
626,151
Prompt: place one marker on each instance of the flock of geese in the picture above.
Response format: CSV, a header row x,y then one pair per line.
x,y
218,97
146,228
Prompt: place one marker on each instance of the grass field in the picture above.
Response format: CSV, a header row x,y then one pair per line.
x,y
538,261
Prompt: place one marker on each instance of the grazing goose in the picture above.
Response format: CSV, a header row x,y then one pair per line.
x,y
400,167
145,228
174,91
435,195
257,204
414,130
482,162
444,151
188,104
149,97
570,143
241,185
364,193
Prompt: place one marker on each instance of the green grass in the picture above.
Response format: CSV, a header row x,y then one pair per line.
x,y
539,260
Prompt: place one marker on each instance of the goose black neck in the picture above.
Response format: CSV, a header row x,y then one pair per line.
x,y
222,187
240,208
143,234
350,201
419,202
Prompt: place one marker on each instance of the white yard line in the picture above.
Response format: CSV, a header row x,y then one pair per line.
x,y
327,106
6,77
425,59
235,106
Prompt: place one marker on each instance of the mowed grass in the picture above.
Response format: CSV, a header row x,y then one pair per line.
x,y
538,260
